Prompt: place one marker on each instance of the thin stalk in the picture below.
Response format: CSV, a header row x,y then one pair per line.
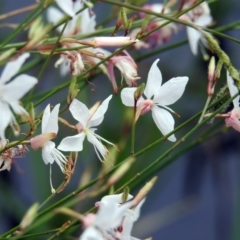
x,y
205,108
18,11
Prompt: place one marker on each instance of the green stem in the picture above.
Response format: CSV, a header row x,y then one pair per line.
x,y
133,128
205,108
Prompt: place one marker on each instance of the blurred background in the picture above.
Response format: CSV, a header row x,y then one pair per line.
x,y
196,196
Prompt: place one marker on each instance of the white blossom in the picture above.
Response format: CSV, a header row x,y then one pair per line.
x,y
49,131
12,91
157,98
87,121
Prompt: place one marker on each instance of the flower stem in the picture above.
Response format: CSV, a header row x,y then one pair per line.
x,y
205,108
133,127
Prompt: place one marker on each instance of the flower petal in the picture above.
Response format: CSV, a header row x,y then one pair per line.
x,y
18,87
13,67
204,20
98,116
54,16
18,109
88,23
80,112
127,96
6,118
164,121
171,91
91,233
47,153
154,80
73,143
233,91
66,6
50,120
45,118
193,39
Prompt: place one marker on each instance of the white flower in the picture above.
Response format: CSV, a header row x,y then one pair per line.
x,y
126,66
49,131
110,215
200,16
80,23
88,119
157,98
11,92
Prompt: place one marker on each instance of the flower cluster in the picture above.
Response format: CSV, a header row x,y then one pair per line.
x,y
82,51
113,220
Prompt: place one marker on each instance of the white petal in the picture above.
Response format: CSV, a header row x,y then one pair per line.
x,y
98,116
52,120
18,109
64,68
88,23
204,20
164,121
91,233
115,198
127,96
47,152
45,118
80,112
113,220
131,217
193,39
171,91
154,80
18,87
5,119
72,144
54,16
233,91
66,6
13,67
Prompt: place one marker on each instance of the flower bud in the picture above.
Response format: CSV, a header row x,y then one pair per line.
x,y
144,191
121,171
139,91
73,90
29,216
211,77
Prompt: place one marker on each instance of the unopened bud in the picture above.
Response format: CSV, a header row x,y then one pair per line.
x,y
108,41
29,216
121,171
31,113
211,77
124,17
7,54
211,68
144,191
139,91
73,90
218,69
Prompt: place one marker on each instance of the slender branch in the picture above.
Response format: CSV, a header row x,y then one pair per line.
x,y
18,11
